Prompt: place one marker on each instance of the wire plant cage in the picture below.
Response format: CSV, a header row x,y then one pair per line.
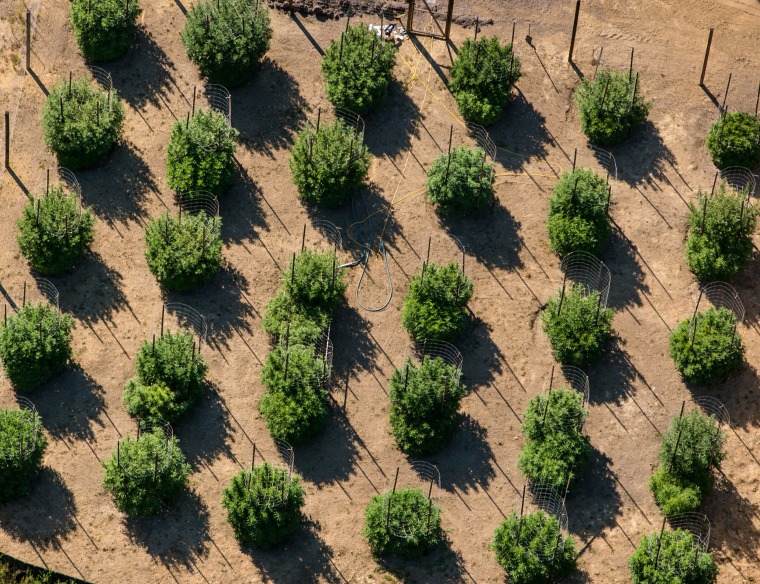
x,y
68,182
273,480
589,272
197,202
435,349
43,293
351,120
103,77
27,442
545,498
720,295
695,523
698,525
218,99
738,179
184,318
483,140
415,474
445,249
163,457
323,236
570,378
714,408
321,349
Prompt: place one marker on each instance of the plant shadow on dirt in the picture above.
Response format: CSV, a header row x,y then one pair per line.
x,y
241,208
466,461
612,375
49,520
119,188
642,157
71,404
205,432
627,276
442,564
728,509
739,394
392,130
480,367
523,129
303,557
269,110
176,535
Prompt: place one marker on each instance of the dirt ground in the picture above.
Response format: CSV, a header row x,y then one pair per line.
x,y
68,522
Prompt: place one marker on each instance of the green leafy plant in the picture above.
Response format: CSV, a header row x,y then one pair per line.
x,y
425,400
461,183
104,29
436,305
357,70
409,513
721,226
329,163
227,39
184,252
710,351
578,219
555,448
610,106
671,558
263,505
531,550
692,446
283,316
482,77
734,140
54,232
81,122
577,325
170,377
35,344
200,154
22,445
145,472
294,406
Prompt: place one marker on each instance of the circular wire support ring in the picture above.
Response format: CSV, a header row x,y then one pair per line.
x,y
432,349
102,76
187,318
436,255
43,293
722,295
714,408
577,380
28,444
150,425
417,474
352,120
330,233
68,181
589,272
606,159
695,523
545,498
277,481
195,202
219,99
739,179
483,140
324,351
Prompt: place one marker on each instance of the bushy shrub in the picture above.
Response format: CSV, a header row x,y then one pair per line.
x,y
83,134
608,108
410,509
145,472
263,505
425,400
226,39
54,232
294,406
104,29
357,70
200,154
301,324
677,562
555,448
35,344
328,164
436,305
578,331
734,140
461,183
22,445
716,350
184,253
683,479
482,77
578,219
170,378
530,549
721,226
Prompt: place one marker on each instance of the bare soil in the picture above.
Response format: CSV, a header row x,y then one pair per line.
x,y
69,523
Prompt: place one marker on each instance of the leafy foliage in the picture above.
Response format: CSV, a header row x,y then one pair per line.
x,y
53,232
357,70
283,316
677,562
170,378
294,406
580,330
263,505
531,550
409,512
734,140
610,105
145,472
328,164
555,448
436,305
22,445
91,123
35,345
720,234
227,39
425,400
462,183
184,253
200,154
104,29
578,219
684,476
716,350
482,77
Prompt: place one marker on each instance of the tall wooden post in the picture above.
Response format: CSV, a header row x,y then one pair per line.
x,y
7,139
449,16
707,57
28,39
575,29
